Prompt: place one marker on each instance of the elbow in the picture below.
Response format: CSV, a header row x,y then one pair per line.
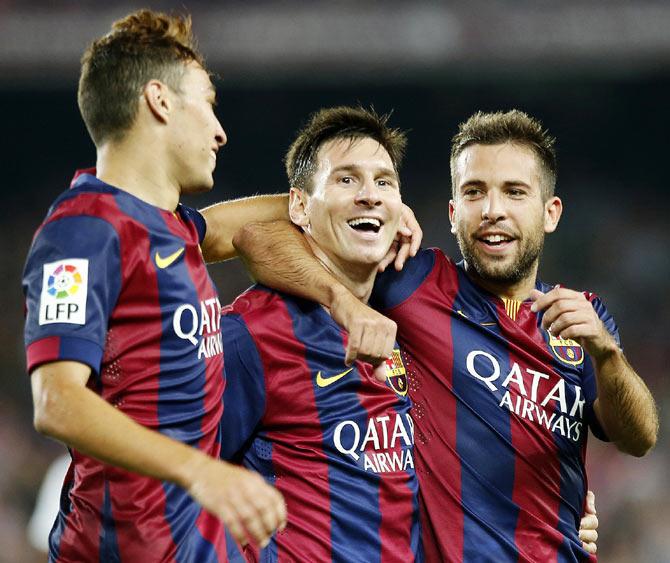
x,y
50,417
642,445
246,237
647,443
45,415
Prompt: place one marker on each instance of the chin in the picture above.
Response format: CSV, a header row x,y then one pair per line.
x,y
199,187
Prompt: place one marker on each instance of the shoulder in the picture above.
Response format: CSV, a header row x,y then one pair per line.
x,y
392,288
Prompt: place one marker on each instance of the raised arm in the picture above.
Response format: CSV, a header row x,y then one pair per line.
x,y
65,409
224,219
624,405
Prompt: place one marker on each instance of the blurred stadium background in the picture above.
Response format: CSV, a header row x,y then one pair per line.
x,y
597,74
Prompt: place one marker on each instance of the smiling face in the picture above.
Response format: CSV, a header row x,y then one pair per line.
x,y
498,213
197,133
353,210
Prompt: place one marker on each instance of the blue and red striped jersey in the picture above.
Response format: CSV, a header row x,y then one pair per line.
x,y
337,443
120,285
501,408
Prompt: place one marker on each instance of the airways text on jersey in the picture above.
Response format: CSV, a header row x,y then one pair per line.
x,y
560,409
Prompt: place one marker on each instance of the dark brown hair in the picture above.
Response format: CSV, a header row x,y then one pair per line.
x,y
513,126
343,122
144,45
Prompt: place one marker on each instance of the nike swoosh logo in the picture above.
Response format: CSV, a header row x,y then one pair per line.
x,y
165,262
326,381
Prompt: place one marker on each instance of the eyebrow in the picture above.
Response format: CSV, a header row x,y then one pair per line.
x,y
384,171
507,184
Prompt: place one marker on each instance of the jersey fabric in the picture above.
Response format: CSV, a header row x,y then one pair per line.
x,y
120,285
337,443
501,409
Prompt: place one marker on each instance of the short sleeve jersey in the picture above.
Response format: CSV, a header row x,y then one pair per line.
x,y
501,409
337,443
120,285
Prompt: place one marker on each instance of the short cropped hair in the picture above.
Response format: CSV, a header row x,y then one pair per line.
x,y
508,127
144,45
343,122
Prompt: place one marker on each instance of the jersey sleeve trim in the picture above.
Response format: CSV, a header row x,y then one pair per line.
x,y
63,348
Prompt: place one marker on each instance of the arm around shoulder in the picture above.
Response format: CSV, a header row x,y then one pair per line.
x,y
277,255
224,219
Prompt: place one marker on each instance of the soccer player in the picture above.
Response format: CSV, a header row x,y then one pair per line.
x,y
506,372
122,334
335,441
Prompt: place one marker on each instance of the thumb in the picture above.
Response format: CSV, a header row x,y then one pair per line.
x,y
535,294
380,372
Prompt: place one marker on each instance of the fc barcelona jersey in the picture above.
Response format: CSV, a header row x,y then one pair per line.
x,y
120,285
501,408
337,443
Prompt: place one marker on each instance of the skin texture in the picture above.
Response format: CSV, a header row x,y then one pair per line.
x,y
353,180
170,149
498,192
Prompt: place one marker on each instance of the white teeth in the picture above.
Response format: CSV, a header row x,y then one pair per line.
x,y
362,220
496,238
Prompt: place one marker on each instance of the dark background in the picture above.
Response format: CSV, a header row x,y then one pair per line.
x,y
597,76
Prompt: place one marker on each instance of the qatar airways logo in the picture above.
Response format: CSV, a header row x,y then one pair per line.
x,y
202,328
529,403
383,446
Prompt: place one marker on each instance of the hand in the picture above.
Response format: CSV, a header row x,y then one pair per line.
x,y
241,499
406,243
371,334
588,527
568,314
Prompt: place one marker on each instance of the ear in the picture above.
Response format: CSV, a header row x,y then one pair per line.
x,y
157,96
553,208
298,207
452,215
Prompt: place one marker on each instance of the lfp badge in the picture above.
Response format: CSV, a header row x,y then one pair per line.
x,y
566,350
396,374
64,291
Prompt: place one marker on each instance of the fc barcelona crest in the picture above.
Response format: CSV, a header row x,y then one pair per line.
x,y
396,374
566,350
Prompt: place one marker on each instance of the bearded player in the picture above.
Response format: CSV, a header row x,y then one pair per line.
x,y
506,373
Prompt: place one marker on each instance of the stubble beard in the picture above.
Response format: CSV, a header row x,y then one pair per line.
x,y
502,271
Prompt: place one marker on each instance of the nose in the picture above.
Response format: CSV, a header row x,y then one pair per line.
x,y
493,209
368,194
220,135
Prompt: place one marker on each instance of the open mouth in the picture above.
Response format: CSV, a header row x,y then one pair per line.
x,y
497,241
366,224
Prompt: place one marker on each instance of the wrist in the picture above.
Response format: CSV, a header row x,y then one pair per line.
x,y
191,465
337,295
606,354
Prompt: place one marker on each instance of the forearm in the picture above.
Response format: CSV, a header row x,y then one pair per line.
x,y
625,406
277,255
224,219
83,420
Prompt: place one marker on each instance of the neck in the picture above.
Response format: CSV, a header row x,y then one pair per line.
x,y
357,278
518,291
134,165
